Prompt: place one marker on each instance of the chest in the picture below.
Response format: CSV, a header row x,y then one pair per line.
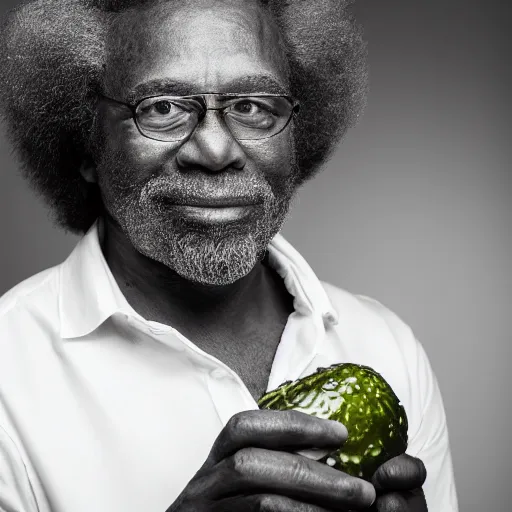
x,y
251,359
250,352
253,367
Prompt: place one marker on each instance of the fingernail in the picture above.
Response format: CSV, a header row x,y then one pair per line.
x,y
340,428
373,493
314,453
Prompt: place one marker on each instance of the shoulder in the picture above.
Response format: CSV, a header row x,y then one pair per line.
x,y
367,305
369,316
24,311
373,335
29,306
28,289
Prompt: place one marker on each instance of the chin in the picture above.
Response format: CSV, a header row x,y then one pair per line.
x,y
215,260
207,253
211,257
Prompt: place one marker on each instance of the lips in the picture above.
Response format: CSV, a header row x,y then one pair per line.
x,y
212,210
212,202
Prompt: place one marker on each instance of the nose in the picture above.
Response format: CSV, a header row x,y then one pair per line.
x,y
211,147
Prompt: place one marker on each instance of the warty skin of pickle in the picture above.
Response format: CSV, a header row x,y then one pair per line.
x,y
361,399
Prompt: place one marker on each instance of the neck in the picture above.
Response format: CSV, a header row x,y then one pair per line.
x,y
158,293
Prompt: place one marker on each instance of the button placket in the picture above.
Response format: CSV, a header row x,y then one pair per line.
x,y
227,395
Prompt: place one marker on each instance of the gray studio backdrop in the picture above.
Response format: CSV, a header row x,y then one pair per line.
x,y
414,209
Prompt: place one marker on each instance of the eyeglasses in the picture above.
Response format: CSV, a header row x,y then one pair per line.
x,y
248,117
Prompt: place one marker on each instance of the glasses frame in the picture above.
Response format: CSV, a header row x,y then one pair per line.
x,y
202,100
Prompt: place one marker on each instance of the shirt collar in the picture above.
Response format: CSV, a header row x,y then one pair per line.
x,y
89,294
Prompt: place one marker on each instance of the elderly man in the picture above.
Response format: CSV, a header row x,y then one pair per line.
x,y
174,135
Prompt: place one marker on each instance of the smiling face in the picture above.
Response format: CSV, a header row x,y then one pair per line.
x,y
206,206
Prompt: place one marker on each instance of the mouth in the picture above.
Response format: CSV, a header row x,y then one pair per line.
x,y
214,202
213,210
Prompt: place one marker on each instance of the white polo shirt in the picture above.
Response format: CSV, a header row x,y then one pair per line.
x,y
104,411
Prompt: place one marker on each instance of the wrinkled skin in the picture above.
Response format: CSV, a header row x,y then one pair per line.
x,y
252,467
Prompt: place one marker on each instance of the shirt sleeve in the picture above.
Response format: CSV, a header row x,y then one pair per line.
x,y
16,493
430,441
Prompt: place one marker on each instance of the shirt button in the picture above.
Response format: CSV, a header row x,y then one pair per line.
x,y
218,373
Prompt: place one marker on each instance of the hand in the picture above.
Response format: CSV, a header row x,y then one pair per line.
x,y
252,467
398,483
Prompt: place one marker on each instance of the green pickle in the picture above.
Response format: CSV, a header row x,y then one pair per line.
x,y
362,400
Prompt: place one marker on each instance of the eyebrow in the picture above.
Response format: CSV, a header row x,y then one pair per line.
x,y
251,84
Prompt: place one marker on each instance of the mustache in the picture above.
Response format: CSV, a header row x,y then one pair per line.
x,y
180,189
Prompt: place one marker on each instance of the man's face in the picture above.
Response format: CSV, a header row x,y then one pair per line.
x,y
174,200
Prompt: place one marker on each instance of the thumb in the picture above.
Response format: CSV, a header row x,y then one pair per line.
x,y
400,473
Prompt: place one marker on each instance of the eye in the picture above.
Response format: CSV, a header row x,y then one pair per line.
x,y
251,113
245,107
163,107
159,108
168,117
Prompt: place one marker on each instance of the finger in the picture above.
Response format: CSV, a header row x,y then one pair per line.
x,y
392,502
409,501
400,473
265,503
276,430
260,471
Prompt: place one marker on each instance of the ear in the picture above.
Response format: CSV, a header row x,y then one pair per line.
x,y
88,170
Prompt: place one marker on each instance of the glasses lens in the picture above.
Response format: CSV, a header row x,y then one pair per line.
x,y
167,118
257,117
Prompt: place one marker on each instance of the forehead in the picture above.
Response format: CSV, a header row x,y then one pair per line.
x,y
203,45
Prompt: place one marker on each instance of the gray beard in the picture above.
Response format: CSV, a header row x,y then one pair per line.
x,y
210,255
215,256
